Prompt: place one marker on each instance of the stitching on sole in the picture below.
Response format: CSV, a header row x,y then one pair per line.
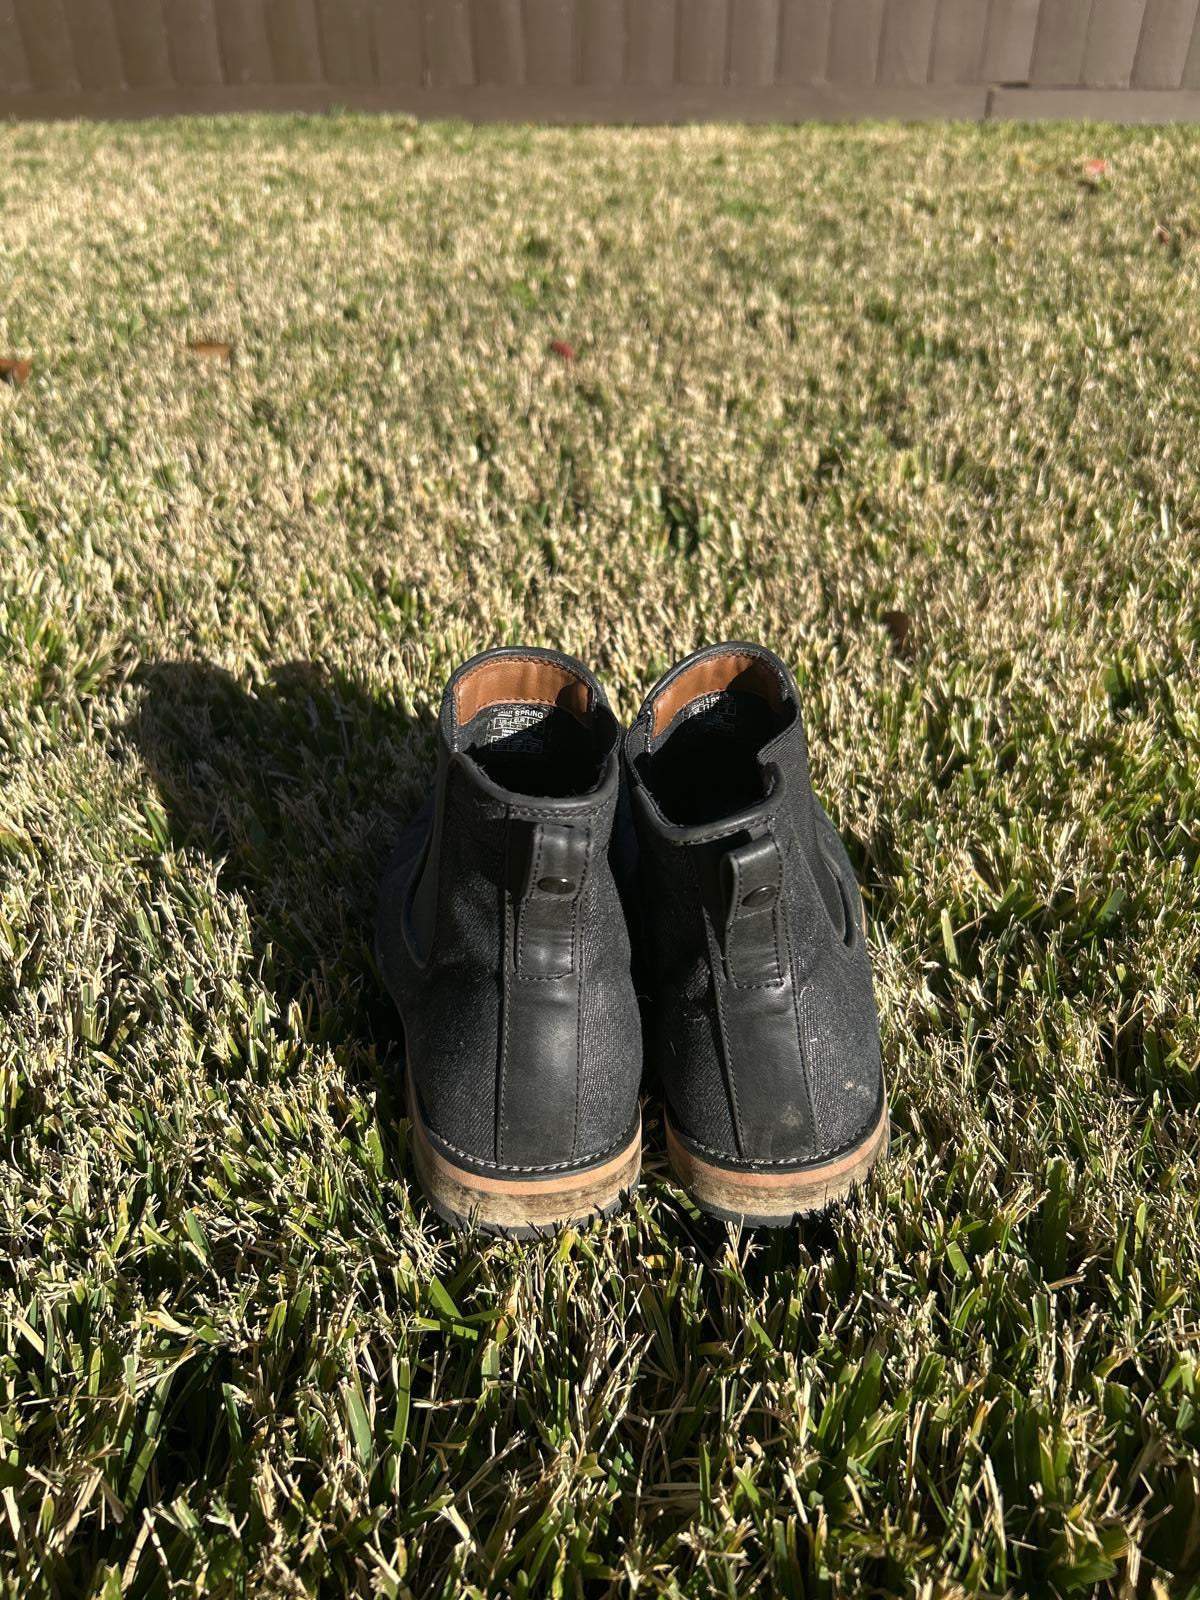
x,y
582,1164
784,1164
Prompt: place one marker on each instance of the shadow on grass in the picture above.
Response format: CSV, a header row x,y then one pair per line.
x,y
295,787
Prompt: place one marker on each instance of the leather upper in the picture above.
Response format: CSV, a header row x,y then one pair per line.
x,y
501,934
762,1023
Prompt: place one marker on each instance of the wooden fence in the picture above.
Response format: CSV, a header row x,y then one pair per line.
x,y
637,60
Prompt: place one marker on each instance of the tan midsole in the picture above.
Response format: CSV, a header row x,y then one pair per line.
x,y
799,1187
535,1200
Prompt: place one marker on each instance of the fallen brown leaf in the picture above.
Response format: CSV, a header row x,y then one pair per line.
x,y
211,350
899,626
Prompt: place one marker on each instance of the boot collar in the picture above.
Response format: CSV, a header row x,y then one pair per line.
x,y
527,675
686,690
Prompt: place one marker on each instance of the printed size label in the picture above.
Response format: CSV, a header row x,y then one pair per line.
x,y
718,711
523,729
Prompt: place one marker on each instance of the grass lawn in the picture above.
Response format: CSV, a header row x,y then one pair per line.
x,y
919,408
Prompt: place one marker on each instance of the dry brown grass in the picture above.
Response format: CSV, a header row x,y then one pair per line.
x,y
821,376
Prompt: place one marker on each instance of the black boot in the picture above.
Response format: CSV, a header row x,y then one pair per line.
x,y
502,940
762,1021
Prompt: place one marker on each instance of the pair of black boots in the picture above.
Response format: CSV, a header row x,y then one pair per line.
x,y
505,938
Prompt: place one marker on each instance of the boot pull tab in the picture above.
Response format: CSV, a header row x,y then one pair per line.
x,y
752,880
549,901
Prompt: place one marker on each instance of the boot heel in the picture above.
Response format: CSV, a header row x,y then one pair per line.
x,y
765,1198
521,1206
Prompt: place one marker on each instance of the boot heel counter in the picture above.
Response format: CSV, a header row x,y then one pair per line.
x,y
537,1105
756,1000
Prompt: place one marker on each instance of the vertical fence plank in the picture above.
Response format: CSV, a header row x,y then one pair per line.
x,y
652,42
958,37
1008,51
142,33
195,58
295,47
703,29
1058,45
753,42
344,27
549,42
47,44
804,40
449,59
907,44
499,46
854,39
1191,67
102,45
1112,40
397,41
602,41
1163,47
14,68
242,36
93,32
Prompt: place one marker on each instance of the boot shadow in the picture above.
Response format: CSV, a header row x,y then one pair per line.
x,y
296,788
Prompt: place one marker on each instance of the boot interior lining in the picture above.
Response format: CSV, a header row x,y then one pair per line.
x,y
733,670
705,766
516,679
537,749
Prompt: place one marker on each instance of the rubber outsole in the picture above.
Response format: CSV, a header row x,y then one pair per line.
x,y
758,1197
521,1207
